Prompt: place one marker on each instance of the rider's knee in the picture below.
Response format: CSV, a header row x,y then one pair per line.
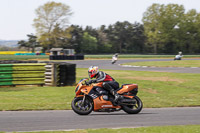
x,y
105,85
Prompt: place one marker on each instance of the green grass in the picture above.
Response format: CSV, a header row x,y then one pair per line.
x,y
177,63
36,98
155,129
156,89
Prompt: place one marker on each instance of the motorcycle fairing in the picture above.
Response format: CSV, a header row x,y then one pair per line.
x,y
100,103
87,90
127,88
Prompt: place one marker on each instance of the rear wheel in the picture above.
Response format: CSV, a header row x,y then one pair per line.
x,y
80,107
133,109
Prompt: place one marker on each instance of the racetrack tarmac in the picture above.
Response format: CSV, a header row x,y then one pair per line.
x,y
106,64
67,120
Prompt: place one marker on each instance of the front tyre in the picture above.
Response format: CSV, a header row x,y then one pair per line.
x,y
133,109
82,108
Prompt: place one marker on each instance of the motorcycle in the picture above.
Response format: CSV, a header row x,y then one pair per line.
x,y
177,57
93,98
114,58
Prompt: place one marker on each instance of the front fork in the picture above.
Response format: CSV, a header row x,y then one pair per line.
x,y
83,101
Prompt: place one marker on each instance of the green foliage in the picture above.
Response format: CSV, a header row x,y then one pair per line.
x,y
165,29
89,44
188,32
159,23
30,44
126,37
169,29
51,20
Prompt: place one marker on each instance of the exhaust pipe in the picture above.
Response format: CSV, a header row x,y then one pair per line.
x,y
132,101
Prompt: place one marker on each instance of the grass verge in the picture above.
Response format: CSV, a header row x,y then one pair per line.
x,y
177,63
156,89
154,129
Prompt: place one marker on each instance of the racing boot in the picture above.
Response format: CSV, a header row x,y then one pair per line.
x,y
112,91
117,96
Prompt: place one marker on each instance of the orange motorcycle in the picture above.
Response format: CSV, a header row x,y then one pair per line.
x,y
94,98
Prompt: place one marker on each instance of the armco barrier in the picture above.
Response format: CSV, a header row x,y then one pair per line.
x,y
51,74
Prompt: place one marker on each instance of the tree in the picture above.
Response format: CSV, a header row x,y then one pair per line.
x,y
189,32
76,39
30,44
50,16
126,37
136,41
103,44
89,44
159,24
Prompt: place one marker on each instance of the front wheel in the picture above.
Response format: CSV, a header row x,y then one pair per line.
x,y
82,107
133,109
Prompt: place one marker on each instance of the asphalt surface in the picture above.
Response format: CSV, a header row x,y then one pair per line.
x,y
67,120
106,64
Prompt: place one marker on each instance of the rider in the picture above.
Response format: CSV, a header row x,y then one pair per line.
x,y
108,82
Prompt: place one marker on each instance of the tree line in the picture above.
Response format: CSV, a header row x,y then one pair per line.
x,y
166,29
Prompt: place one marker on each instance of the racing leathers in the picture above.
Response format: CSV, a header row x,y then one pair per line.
x,y
109,83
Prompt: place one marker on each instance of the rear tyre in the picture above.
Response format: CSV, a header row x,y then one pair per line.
x,y
133,109
82,108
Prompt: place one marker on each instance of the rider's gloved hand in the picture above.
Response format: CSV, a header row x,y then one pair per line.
x,y
92,81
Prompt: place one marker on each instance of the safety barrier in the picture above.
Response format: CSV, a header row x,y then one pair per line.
x,y
22,74
30,54
51,74
60,74
66,57
19,53
67,74
13,52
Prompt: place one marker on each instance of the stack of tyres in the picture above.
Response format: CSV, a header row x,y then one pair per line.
x,y
51,57
80,57
67,74
66,57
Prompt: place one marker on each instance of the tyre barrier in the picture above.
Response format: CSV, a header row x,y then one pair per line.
x,y
67,74
60,74
49,74
66,57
